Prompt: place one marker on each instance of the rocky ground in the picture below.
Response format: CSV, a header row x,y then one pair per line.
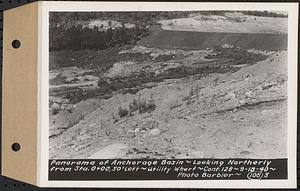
x,y
215,106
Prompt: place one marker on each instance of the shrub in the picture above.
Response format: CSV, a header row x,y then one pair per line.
x,y
151,104
188,98
115,119
50,103
54,111
194,90
123,112
138,105
142,106
134,106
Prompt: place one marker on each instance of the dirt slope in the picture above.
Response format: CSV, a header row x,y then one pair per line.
x,y
229,23
219,115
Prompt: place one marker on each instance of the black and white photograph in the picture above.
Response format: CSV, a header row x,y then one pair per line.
x,y
169,95
168,84
151,95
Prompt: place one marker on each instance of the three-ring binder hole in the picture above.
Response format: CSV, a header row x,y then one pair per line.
x,y
16,44
16,147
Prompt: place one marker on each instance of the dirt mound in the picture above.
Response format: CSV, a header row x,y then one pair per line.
x,y
229,22
274,65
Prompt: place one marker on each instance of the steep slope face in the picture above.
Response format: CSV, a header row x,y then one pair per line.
x,y
220,115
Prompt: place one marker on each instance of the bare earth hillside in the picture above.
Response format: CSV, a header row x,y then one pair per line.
x,y
234,22
224,114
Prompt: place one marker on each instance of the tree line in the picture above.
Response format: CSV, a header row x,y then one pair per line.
x,y
67,34
139,18
265,14
78,37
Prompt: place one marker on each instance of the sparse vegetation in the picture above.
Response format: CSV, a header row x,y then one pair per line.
x,y
140,106
58,80
115,119
193,91
138,18
75,120
222,61
123,112
55,111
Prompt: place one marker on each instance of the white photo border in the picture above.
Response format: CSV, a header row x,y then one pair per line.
x,y
43,118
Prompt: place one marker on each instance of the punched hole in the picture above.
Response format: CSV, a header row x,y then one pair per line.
x,y
16,44
16,147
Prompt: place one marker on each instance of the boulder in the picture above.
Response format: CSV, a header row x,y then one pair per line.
x,y
229,96
249,94
92,124
137,130
234,119
190,155
56,106
242,102
130,134
197,154
84,137
154,132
